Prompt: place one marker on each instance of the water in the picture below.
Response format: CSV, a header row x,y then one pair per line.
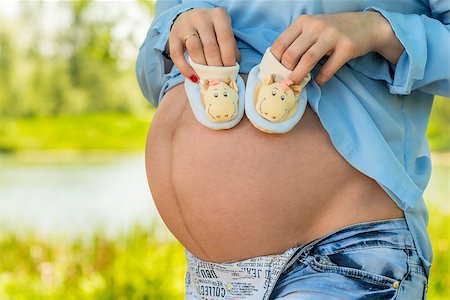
x,y
67,194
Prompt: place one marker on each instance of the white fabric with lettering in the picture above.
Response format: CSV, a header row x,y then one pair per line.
x,y
253,278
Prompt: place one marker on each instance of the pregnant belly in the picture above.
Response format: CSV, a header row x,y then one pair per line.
x,y
232,194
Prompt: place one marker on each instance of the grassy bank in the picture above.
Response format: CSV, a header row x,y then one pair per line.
x,y
131,266
102,131
134,266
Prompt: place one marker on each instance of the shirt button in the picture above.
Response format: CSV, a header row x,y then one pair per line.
x,y
396,285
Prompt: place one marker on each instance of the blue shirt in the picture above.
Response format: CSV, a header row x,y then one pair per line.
x,y
375,113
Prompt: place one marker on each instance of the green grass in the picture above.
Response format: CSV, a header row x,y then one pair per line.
x,y
439,230
102,131
130,266
134,266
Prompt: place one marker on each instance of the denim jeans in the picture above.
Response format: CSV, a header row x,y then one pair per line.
x,y
371,260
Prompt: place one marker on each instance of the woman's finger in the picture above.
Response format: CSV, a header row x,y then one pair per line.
x,y
285,39
209,41
176,47
295,51
195,49
339,58
309,60
226,41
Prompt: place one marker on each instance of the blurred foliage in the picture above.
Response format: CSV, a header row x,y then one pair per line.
x,y
148,5
81,69
134,266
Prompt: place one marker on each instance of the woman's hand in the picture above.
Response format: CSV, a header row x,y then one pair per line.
x,y
341,36
211,40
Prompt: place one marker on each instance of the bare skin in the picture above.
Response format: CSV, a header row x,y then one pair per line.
x,y
229,195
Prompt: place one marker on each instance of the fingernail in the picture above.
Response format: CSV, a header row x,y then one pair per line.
x,y
194,78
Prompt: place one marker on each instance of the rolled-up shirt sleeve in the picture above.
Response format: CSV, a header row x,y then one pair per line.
x,y
150,70
425,62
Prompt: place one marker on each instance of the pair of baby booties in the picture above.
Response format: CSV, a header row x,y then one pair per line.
x,y
271,101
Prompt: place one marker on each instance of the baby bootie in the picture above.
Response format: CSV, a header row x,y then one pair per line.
x,y
217,101
273,103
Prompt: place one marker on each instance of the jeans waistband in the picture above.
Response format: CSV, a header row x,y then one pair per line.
x,y
384,233
393,232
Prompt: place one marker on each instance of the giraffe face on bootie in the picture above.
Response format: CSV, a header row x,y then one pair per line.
x,y
275,100
220,99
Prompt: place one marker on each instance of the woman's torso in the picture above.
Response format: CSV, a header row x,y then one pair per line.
x,y
233,194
